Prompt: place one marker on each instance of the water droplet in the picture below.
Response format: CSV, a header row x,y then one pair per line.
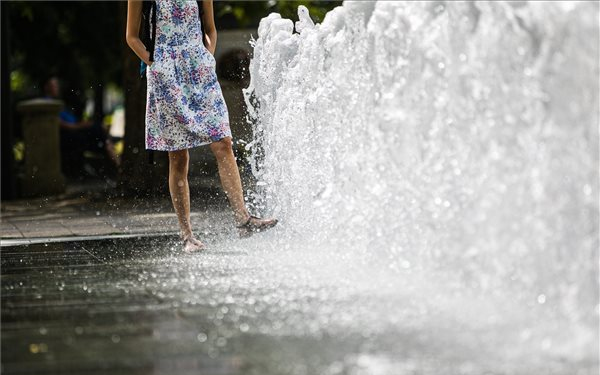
x,y
546,344
221,341
202,337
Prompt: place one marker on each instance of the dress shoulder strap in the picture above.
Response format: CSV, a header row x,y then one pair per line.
x,y
200,13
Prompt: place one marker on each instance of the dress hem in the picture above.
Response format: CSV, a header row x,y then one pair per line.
x,y
187,147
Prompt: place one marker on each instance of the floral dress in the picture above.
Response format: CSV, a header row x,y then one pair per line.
x,y
184,104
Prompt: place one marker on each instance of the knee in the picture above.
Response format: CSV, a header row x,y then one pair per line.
x,y
178,162
222,147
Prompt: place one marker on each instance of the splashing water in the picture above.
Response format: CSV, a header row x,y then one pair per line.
x,y
455,140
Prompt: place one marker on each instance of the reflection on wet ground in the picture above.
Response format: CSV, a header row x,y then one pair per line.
x,y
139,306
132,306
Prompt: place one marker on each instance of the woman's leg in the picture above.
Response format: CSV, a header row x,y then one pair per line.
x,y
180,195
232,184
179,188
230,178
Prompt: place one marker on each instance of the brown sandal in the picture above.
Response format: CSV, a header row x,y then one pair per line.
x,y
250,227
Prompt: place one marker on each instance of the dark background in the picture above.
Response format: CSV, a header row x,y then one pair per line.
x,y
83,43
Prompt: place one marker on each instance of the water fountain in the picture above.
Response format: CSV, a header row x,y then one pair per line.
x,y
434,166
456,141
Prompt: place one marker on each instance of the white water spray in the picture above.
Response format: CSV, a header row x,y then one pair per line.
x,y
459,138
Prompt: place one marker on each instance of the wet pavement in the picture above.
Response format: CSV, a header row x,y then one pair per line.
x,y
88,214
75,308
252,306
135,306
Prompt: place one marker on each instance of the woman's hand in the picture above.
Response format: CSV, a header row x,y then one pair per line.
x,y
74,126
85,124
208,19
211,50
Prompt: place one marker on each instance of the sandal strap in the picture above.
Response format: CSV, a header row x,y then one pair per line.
x,y
245,225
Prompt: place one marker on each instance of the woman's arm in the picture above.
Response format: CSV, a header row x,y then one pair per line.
x,y
208,20
132,36
72,126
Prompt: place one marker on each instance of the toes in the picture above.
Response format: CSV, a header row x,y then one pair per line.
x,y
193,245
193,249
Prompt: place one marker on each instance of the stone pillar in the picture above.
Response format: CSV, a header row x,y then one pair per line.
x,y
40,125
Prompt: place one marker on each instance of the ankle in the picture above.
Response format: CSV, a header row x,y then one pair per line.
x,y
242,218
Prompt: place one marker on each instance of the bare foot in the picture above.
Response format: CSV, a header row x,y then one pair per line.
x,y
255,224
192,245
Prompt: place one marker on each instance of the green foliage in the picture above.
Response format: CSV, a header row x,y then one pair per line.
x,y
249,13
18,81
317,9
83,41
79,41
239,13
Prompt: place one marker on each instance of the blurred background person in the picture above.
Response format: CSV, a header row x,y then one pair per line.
x,y
79,135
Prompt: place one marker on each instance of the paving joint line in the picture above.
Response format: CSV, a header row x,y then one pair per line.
x,y
42,240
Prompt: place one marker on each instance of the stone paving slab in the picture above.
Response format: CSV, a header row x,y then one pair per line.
x,y
98,216
9,230
42,228
77,308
